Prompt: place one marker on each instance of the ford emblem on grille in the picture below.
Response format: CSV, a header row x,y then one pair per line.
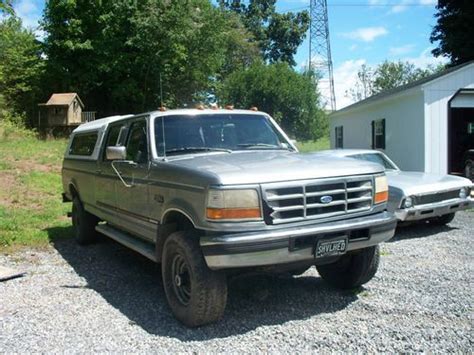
x,y
326,199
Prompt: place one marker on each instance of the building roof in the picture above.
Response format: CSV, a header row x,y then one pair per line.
x,y
63,99
397,90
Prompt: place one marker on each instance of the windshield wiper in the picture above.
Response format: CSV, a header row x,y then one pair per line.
x,y
196,150
261,145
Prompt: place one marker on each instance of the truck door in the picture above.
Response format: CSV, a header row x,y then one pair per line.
x,y
133,198
106,177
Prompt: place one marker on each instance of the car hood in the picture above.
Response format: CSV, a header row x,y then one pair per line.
x,y
412,183
272,166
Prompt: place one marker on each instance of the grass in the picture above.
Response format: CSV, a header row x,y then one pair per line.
x,y
30,194
312,146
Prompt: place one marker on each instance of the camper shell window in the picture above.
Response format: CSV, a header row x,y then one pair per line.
x,y
83,144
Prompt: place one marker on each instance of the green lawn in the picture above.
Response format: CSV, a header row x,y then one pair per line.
x,y
30,190
312,146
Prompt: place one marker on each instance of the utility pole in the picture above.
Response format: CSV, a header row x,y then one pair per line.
x,y
320,51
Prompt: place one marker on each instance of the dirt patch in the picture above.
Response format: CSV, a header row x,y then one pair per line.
x,y
14,194
30,165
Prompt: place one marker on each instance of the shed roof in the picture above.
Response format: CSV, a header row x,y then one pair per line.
x,y
64,99
397,90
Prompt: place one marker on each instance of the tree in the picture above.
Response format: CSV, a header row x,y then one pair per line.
x,y
386,76
21,68
278,35
114,53
364,86
288,96
6,7
454,30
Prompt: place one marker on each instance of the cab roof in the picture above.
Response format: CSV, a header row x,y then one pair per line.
x,y
103,122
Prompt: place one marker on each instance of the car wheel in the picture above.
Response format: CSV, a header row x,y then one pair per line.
x,y
83,223
196,294
469,170
444,219
352,270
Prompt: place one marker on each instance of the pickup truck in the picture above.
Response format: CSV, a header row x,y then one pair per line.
x,y
213,192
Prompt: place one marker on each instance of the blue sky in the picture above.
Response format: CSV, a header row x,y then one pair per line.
x,y
362,32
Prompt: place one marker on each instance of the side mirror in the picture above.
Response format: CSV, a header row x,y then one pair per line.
x,y
116,153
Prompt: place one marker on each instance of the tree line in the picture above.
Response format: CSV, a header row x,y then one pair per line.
x,y
129,56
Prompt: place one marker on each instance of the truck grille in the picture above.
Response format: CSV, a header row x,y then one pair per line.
x,y
436,197
317,199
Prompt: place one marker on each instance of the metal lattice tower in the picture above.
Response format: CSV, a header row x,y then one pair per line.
x,y
320,51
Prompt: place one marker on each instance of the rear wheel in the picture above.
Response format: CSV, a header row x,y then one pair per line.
x,y
196,294
444,219
83,223
351,270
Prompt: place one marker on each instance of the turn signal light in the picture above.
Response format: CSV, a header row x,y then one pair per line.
x,y
232,213
381,196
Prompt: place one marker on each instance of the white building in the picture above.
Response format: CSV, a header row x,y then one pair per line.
x,y
426,126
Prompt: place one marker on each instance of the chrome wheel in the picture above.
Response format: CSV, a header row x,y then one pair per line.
x,y
181,279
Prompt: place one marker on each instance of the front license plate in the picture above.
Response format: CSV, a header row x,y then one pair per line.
x,y
330,247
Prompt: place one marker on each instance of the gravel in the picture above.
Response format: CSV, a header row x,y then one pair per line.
x,y
105,298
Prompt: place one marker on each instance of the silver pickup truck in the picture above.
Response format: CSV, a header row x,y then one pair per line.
x,y
205,192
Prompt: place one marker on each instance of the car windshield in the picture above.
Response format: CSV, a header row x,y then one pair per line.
x,y
186,134
375,158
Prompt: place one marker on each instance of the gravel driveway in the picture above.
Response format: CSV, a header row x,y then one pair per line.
x,y
106,298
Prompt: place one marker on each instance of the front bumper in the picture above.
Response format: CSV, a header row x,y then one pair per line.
x,y
293,244
432,210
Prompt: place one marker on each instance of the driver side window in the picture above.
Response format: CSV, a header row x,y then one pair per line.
x,y
137,144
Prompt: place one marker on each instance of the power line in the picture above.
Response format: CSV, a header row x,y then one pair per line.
x,y
363,5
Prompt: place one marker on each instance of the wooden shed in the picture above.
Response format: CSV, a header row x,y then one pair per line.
x,y
63,110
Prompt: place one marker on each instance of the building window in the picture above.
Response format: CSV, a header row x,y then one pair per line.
x,y
378,134
339,137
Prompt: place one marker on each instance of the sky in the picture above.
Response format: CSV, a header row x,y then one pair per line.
x,y
361,32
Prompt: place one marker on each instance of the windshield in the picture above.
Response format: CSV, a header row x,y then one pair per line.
x,y
375,158
185,134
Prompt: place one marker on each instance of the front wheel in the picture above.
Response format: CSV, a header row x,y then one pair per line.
x,y
444,219
196,294
352,270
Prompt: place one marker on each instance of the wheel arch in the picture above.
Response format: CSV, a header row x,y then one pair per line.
x,y
173,220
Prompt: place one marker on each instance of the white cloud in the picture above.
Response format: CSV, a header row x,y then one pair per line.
x,y
29,13
345,78
366,34
396,51
345,75
425,58
353,47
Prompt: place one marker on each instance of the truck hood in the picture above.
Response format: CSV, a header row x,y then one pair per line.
x,y
256,167
412,183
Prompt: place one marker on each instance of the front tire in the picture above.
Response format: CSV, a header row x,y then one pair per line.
x,y
83,223
196,294
444,219
352,270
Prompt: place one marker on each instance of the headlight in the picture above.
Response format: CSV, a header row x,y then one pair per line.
x,y
408,202
381,189
464,193
227,205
